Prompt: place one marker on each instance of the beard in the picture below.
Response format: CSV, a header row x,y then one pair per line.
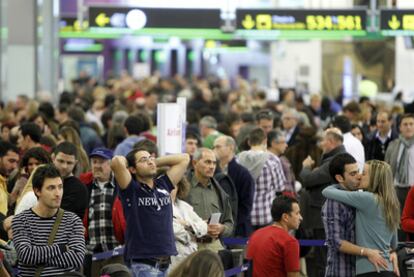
x,y
145,175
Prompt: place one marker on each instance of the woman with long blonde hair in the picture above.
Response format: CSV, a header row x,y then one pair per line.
x,y
377,216
69,134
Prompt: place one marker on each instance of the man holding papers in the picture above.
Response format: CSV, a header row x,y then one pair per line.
x,y
209,200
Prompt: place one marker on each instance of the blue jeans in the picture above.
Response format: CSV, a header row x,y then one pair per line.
x,y
144,270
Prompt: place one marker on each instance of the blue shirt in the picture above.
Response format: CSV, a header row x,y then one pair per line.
x,y
126,145
339,223
148,214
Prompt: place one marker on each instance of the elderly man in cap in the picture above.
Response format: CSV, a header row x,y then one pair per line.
x,y
104,220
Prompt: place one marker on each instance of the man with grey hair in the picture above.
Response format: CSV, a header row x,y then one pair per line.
x,y
208,198
225,149
290,120
276,144
208,131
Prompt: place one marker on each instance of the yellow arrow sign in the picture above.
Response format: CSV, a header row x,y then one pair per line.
x,y
394,23
102,20
78,27
248,22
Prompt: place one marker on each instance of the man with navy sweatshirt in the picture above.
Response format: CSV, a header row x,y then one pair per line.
x,y
149,237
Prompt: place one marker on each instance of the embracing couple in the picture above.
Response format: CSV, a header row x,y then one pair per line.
x,y
361,216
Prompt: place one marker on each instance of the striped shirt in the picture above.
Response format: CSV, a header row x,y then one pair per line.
x,y
270,181
30,237
339,222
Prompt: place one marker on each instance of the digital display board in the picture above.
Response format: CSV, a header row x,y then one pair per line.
x,y
107,22
137,18
71,24
82,45
397,22
301,20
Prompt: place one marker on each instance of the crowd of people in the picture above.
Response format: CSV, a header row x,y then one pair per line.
x,y
83,176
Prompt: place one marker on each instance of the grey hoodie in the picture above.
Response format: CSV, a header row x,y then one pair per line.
x,y
253,161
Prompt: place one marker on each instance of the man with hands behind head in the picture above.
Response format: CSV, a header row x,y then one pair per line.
x,y
149,237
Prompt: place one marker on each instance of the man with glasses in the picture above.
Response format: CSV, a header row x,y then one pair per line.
x,y
225,149
276,144
149,237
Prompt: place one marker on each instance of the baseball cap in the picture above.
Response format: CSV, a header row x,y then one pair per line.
x,y
104,153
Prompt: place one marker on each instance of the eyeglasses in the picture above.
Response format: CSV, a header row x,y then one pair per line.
x,y
146,160
218,146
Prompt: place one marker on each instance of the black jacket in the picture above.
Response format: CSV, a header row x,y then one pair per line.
x,y
314,181
228,186
375,149
244,184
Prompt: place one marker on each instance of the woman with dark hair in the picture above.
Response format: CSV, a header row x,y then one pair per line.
x,y
41,120
359,133
306,145
31,159
326,113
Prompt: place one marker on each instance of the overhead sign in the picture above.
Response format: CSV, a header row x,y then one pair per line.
x,y
301,20
71,24
209,44
82,45
137,18
397,20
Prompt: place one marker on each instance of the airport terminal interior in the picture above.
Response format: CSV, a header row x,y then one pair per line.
x,y
207,138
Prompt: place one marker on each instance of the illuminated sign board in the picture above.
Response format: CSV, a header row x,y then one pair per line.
x,y
82,45
301,20
138,18
225,43
397,22
71,24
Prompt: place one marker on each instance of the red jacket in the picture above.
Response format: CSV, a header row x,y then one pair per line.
x,y
118,217
407,218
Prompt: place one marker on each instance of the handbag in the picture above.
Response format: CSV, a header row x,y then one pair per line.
x,y
9,252
51,237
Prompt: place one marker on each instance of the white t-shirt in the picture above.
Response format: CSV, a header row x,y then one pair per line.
x,y
354,147
28,201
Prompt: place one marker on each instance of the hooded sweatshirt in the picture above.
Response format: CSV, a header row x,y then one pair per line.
x,y
253,161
